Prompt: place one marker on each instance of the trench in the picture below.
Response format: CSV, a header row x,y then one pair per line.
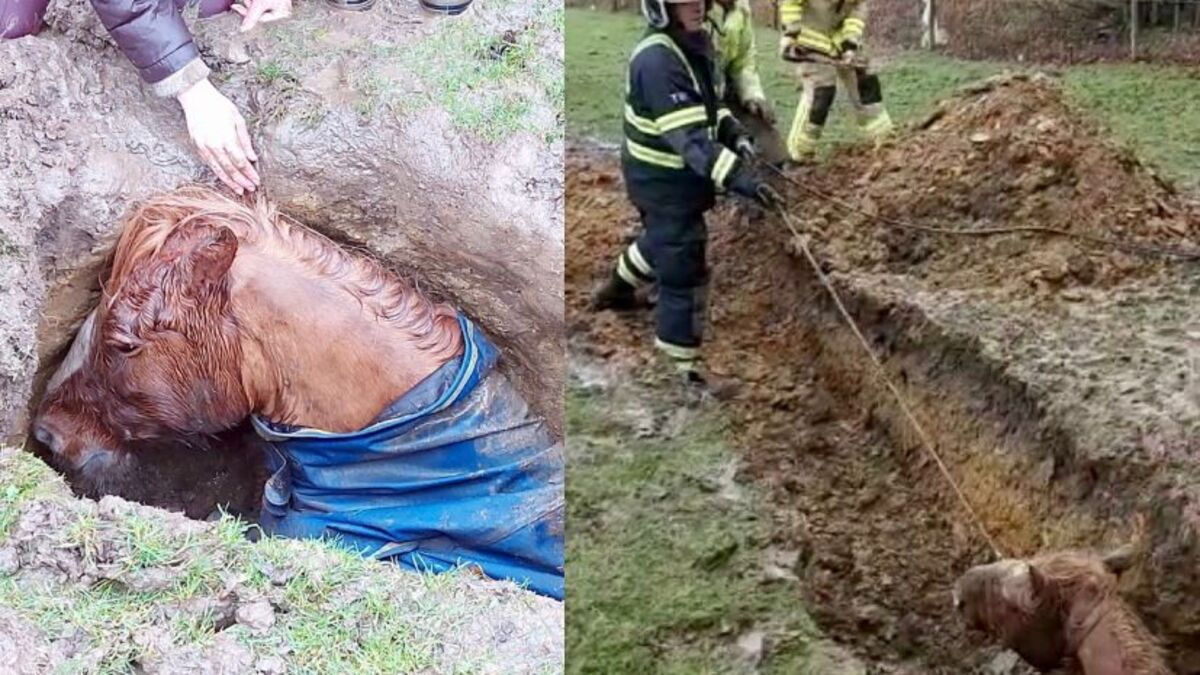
x,y
878,534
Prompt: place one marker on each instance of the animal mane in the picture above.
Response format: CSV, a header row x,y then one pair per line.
x,y
392,298
1073,574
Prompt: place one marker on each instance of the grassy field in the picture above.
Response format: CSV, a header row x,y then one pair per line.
x,y
1155,109
666,552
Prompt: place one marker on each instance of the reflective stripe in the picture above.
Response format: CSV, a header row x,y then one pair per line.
x,y
815,40
853,27
723,167
722,114
677,352
635,256
646,126
655,157
627,274
682,118
879,125
791,11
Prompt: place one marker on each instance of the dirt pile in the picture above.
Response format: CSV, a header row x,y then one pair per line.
x,y
1007,152
112,586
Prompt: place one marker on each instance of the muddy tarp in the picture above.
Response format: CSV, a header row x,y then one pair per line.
x,y
457,472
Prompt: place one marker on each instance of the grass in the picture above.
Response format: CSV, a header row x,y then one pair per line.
x,y
598,45
1155,109
487,82
662,565
345,613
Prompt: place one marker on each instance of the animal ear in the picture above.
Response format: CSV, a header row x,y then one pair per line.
x,y
1120,560
1037,580
212,258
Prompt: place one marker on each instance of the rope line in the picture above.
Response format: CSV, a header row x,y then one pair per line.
x,y
882,375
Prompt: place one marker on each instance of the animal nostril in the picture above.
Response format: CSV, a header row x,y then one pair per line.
x,y
45,436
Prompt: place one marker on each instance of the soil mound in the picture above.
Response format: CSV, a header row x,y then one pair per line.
x,y
1006,152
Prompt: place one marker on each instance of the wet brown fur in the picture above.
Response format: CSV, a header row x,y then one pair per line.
x,y
1075,592
172,287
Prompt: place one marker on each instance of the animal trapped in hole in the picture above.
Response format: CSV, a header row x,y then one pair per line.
x,y
1061,611
388,423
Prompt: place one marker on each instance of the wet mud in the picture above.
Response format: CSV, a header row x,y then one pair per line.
x,y
1062,396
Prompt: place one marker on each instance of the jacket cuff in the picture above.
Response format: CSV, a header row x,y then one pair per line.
x,y
181,80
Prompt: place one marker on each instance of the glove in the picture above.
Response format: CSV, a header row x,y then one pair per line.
x,y
744,147
848,51
768,197
760,109
746,185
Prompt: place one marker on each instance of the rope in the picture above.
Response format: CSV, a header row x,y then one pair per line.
x,y
1142,249
882,374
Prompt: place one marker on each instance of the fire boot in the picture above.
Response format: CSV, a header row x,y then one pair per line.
x,y
698,382
615,294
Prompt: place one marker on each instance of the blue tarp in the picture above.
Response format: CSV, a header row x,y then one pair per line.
x,y
458,471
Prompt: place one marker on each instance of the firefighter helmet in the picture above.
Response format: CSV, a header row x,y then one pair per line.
x,y
655,11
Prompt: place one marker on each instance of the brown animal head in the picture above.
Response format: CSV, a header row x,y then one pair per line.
x,y
1037,608
163,357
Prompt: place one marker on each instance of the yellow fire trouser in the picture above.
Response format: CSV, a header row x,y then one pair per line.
x,y
818,82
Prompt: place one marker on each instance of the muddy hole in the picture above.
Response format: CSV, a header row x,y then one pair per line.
x,y
200,476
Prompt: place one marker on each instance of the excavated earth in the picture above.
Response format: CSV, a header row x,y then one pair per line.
x,y
1059,379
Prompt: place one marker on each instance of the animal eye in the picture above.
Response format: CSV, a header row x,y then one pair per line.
x,y
127,348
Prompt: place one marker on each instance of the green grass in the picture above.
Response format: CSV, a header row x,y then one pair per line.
x,y
345,613
1155,109
662,568
484,80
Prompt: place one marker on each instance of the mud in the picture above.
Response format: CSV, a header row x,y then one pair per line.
x,y
477,221
1065,405
113,586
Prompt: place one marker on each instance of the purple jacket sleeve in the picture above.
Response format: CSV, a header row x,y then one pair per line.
x,y
151,33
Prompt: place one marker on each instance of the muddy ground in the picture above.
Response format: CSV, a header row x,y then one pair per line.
x,y
1058,378
112,586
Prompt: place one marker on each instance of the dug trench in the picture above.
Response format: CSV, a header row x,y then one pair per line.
x,y
449,173
1056,379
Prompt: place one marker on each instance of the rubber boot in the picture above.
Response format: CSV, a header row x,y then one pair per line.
x,y
704,385
448,7
615,294
351,5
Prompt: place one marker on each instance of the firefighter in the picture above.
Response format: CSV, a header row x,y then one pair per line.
x,y
824,38
682,147
732,27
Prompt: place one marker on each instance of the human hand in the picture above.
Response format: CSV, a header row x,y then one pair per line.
x,y
761,109
745,149
220,135
254,12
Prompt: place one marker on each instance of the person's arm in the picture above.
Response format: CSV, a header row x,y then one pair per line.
x,y
155,39
850,34
677,109
743,66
